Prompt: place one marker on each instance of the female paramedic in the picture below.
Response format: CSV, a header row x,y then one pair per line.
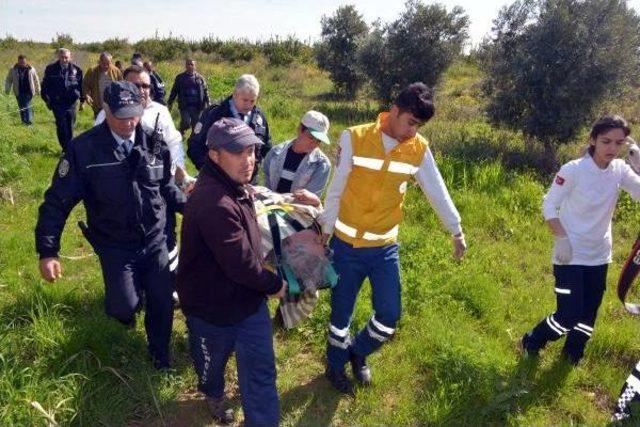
x,y
578,209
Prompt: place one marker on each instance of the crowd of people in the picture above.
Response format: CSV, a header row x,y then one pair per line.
x,y
129,171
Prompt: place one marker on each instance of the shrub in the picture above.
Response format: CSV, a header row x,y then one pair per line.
x,y
418,46
550,63
336,53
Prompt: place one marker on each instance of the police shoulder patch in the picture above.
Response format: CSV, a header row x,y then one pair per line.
x,y
197,128
63,168
259,120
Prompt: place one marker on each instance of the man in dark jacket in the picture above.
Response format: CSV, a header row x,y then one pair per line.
x,y
157,84
124,179
241,105
222,283
61,90
193,97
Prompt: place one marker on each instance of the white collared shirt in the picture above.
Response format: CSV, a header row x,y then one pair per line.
x,y
583,197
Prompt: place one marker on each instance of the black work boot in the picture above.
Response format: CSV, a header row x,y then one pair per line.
x,y
219,411
361,371
339,380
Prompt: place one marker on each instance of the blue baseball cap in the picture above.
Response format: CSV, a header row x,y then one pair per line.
x,y
231,134
123,99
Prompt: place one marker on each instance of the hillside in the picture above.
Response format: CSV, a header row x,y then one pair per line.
x,y
454,359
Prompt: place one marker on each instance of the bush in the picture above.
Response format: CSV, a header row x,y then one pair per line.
x,y
115,45
342,34
238,50
163,49
62,40
284,52
418,46
549,64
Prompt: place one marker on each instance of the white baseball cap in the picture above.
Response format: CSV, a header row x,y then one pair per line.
x,y
318,125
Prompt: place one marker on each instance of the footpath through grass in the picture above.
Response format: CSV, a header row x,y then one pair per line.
x,y
454,359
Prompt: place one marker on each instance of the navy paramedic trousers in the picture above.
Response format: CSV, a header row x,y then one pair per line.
x,y
579,290
381,265
211,347
127,275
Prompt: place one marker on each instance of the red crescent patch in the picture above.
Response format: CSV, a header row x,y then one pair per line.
x,y
559,180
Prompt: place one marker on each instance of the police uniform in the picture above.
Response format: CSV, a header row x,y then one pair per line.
x,y
61,90
125,192
363,208
197,148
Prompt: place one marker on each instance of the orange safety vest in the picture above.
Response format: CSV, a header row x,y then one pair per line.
x,y
371,204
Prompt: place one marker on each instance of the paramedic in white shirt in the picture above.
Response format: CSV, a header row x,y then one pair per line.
x,y
578,209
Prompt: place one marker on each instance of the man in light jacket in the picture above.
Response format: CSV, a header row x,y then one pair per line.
x,y
299,163
23,79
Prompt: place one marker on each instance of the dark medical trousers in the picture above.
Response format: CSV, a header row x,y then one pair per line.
x,y
251,339
579,290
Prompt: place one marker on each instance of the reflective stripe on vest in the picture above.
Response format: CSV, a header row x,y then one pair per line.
x,y
352,232
376,164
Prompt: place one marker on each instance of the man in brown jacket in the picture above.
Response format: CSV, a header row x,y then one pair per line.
x,y
222,283
97,79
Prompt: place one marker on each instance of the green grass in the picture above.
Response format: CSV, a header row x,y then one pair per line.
x,y
454,359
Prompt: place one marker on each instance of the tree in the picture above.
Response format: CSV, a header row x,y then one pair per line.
x,y
549,64
418,46
341,34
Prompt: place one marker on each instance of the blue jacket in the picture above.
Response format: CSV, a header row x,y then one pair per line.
x,y
185,98
59,89
124,196
157,88
197,149
312,173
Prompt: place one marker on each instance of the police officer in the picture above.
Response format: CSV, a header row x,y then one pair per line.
x,y
157,116
123,176
363,209
240,105
61,90
190,88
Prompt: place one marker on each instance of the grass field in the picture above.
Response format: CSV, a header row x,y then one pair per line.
x,y
454,359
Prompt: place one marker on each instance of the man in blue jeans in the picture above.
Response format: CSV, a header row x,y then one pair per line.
x,y
222,284
23,80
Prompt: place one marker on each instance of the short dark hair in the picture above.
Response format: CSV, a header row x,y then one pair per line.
x,y
133,69
416,99
605,124
22,57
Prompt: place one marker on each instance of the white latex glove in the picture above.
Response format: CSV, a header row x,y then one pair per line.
x,y
459,246
562,251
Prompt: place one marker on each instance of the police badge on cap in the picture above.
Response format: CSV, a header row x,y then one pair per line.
x,y
123,99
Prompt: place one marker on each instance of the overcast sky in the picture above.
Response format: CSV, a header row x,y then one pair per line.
x,y
91,20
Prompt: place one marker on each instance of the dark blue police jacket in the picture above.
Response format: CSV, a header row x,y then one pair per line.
x,y
197,149
125,196
60,89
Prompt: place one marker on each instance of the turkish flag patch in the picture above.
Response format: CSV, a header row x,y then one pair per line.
x,y
559,180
